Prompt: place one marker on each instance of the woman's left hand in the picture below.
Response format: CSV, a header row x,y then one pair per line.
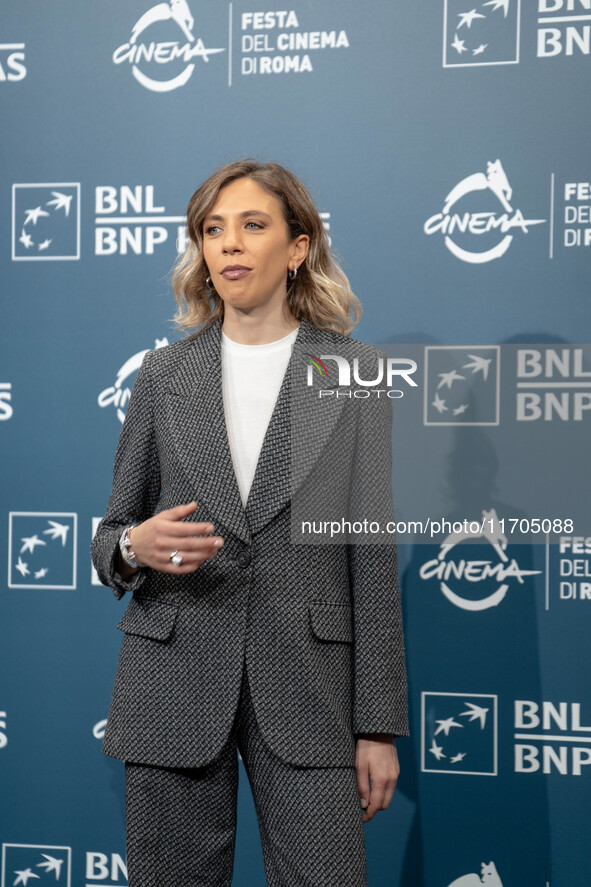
x,y
376,759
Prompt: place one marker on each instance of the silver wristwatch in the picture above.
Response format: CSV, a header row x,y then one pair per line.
x,y
125,548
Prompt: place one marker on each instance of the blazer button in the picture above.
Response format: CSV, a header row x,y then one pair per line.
x,y
243,558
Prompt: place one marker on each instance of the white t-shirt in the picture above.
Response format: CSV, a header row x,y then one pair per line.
x,y
251,379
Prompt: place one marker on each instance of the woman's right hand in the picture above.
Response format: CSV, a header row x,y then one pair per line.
x,y
156,539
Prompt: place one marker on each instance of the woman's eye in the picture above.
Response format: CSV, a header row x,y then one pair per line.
x,y
253,225
213,229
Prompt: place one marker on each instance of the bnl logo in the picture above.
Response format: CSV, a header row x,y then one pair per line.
x,y
485,35
130,221
459,733
100,867
46,222
45,864
462,385
42,549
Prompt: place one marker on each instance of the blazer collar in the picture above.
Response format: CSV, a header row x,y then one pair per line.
x,y
198,425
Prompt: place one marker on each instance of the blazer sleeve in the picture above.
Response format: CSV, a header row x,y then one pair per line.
x,y
380,682
136,483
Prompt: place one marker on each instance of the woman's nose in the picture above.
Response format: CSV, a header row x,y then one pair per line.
x,y
232,241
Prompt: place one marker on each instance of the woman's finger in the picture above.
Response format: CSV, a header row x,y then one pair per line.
x,y
200,546
179,529
179,511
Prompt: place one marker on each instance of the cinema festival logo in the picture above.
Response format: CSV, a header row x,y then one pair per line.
x,y
118,395
463,574
461,227
152,55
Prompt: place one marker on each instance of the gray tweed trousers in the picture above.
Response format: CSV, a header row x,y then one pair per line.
x,y
181,823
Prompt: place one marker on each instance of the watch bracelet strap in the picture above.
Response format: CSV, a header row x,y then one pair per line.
x,y
125,548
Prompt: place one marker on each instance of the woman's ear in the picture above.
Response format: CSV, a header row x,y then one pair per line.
x,y
301,246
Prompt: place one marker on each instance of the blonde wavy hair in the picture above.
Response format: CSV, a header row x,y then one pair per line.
x,y
320,293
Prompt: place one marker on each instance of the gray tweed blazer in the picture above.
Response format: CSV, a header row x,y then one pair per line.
x,y
318,625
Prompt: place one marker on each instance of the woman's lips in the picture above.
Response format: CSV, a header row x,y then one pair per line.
x,y
235,272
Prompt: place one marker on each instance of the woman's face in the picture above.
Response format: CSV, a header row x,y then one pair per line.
x,y
247,248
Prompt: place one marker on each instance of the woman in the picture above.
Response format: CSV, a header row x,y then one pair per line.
x,y
235,636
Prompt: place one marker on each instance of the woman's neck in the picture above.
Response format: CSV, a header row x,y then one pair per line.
x,y
256,330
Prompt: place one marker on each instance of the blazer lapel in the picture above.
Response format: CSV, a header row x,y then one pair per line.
x,y
298,431
198,427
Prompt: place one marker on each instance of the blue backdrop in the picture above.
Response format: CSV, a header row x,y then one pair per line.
x,y
447,149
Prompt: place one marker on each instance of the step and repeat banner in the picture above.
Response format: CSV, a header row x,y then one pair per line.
x,y
446,144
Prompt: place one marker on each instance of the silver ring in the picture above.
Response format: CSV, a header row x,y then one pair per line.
x,y
176,559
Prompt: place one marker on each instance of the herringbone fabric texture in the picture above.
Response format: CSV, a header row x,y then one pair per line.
x,y
319,625
181,824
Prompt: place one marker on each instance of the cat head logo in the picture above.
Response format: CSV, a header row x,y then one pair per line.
x,y
489,217
488,875
147,58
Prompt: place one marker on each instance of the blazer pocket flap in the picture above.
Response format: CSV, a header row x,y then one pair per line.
x,y
331,622
149,618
